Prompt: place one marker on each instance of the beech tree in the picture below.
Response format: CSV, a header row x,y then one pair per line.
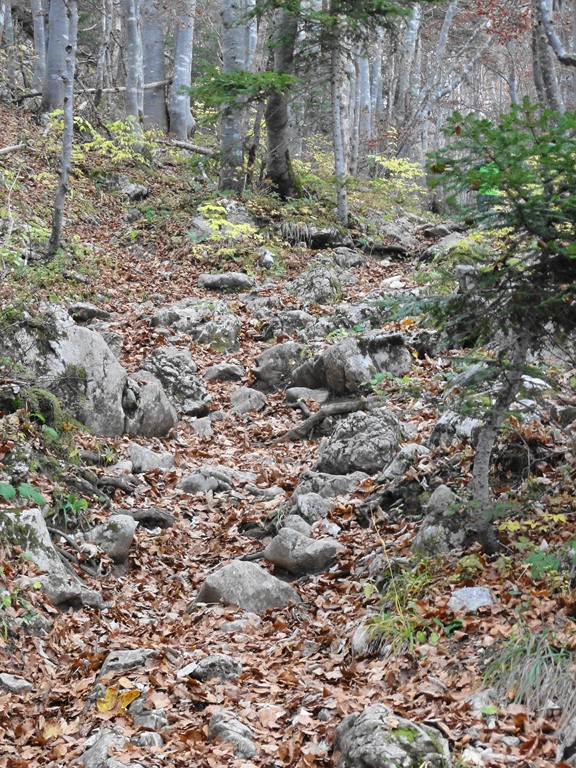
x,y
181,120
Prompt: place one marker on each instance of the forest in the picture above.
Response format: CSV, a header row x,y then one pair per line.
x,y
288,383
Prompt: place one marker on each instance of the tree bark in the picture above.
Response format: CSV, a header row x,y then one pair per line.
x,y
133,59
155,111
107,21
480,485
39,25
182,122
68,133
232,171
338,137
58,40
277,115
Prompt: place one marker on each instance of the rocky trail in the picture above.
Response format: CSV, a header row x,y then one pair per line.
x,y
269,441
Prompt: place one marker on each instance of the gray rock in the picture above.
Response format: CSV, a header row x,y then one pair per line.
x,y
444,527
130,190
365,442
147,739
97,756
275,365
377,737
214,478
320,396
342,369
300,554
317,286
119,661
153,415
209,322
226,725
346,258
309,506
245,399
14,684
248,586
115,536
298,523
143,459
84,312
177,371
400,231
217,665
27,529
224,372
153,720
248,621
227,282
453,426
388,352
444,246
326,485
288,322
152,517
470,599
203,427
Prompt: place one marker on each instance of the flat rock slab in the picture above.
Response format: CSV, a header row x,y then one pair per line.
x,y
470,599
248,586
227,281
14,684
217,665
120,660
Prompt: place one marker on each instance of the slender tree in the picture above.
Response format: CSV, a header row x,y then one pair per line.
x,y
68,133
155,110
182,122
58,40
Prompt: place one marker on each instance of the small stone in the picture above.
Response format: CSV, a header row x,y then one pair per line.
x,y
120,660
245,399
224,372
14,684
470,599
148,739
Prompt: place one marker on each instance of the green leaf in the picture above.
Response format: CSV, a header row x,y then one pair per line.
x,y
49,432
7,491
489,710
28,491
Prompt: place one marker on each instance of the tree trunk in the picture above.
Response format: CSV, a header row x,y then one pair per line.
x,y
155,112
408,58
545,74
182,122
10,48
480,485
338,137
107,21
133,61
39,25
68,134
58,41
232,172
277,116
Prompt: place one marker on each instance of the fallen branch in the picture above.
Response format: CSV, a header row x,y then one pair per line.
x,y
191,147
334,409
14,148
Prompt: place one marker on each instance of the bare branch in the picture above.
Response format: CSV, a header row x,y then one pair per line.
x,y
569,59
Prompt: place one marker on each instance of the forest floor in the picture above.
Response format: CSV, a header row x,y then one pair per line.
x,y
299,676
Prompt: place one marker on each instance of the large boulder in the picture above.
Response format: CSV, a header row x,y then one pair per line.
x,y
326,485
153,414
231,282
226,725
115,536
299,554
177,371
248,586
342,369
212,477
317,286
27,529
275,365
388,352
445,527
365,442
209,322
378,737
76,365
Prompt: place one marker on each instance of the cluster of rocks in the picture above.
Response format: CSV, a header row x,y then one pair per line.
x,y
76,357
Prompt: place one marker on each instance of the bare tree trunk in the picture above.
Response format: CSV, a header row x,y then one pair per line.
x,y
3,9
155,111
182,122
68,134
277,116
133,60
54,82
107,21
480,485
338,136
544,60
376,80
232,172
10,47
409,46
39,25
